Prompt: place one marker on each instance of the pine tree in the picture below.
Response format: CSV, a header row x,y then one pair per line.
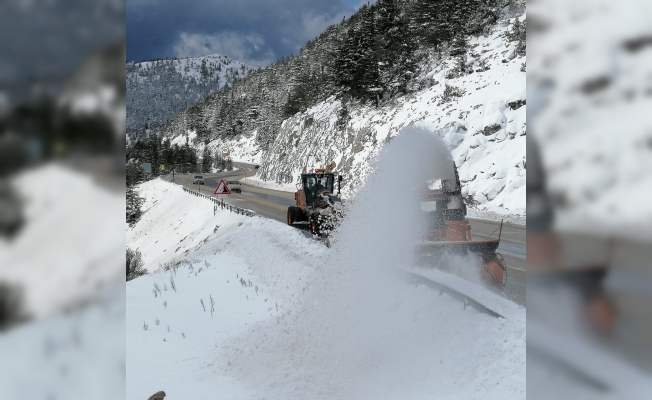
x,y
133,206
167,155
134,173
518,34
134,176
179,158
220,162
357,64
193,160
458,50
206,159
431,20
297,101
342,117
398,64
153,153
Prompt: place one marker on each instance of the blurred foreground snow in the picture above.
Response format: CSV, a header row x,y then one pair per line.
x,y
589,232
62,119
67,262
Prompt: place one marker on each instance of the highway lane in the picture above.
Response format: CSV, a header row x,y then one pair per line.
x,y
268,203
273,204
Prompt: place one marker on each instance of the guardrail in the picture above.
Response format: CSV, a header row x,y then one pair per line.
x,y
217,203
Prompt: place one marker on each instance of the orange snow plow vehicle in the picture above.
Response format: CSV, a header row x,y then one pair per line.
x,y
449,232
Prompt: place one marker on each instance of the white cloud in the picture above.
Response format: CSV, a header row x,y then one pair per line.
x,y
312,25
248,48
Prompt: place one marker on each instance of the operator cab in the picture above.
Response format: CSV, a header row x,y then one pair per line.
x,y
315,184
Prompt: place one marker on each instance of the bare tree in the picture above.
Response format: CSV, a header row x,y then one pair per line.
x,y
135,266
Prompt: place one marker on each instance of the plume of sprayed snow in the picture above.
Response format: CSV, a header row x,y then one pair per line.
x,y
359,286
361,331
384,220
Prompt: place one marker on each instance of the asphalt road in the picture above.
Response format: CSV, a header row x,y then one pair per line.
x,y
268,203
273,204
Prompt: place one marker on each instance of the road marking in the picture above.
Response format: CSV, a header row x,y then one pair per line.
x,y
518,269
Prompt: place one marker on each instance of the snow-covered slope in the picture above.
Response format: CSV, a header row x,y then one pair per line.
x,y
483,125
261,310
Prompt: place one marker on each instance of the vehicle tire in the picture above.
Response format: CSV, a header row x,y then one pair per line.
x,y
291,215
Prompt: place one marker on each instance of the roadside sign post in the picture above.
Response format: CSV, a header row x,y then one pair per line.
x,y
222,190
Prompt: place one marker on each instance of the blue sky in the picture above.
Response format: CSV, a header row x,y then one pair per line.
x,y
256,32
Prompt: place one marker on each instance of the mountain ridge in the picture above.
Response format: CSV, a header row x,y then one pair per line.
x,y
157,90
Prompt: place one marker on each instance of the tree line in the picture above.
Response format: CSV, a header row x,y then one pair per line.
x,y
166,157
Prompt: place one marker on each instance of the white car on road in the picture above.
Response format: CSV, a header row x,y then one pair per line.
x,y
234,186
199,179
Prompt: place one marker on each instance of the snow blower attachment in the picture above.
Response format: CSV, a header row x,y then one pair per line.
x,y
315,201
449,232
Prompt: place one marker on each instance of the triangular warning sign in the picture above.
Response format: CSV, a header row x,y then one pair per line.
x,y
222,188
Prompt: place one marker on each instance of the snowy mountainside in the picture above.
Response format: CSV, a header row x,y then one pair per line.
x,y
213,67
481,116
158,90
485,135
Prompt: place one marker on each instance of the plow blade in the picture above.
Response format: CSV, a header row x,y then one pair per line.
x,y
493,268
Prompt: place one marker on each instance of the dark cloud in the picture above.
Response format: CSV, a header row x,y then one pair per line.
x,y
257,32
